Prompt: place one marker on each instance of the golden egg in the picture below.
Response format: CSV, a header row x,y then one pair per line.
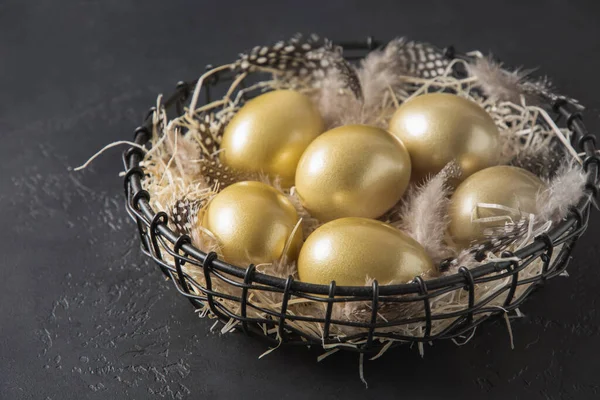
x,y
438,128
513,189
252,223
347,250
270,133
352,171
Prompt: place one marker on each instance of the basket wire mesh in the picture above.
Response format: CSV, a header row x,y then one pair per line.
x,y
553,249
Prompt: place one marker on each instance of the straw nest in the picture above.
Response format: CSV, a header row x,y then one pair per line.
x,y
183,171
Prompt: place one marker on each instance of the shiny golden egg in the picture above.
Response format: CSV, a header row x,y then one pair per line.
x,y
352,171
438,128
269,134
253,223
348,250
489,199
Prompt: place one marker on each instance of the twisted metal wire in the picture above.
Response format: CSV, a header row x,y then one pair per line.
x,y
156,238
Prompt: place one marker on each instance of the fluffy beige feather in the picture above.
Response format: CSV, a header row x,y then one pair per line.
x,y
380,71
336,103
423,213
563,191
497,82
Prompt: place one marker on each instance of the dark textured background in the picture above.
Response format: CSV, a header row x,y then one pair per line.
x,y
84,315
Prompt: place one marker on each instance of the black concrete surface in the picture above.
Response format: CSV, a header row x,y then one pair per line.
x,y
83,315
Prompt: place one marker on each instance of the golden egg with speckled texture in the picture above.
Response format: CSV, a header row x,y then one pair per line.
x,y
252,223
438,128
269,134
348,250
352,171
514,189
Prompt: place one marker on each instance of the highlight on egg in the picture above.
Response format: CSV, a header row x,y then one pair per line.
x,y
269,134
438,128
348,250
253,224
489,199
352,171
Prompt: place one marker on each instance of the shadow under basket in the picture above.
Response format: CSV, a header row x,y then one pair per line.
x,y
176,256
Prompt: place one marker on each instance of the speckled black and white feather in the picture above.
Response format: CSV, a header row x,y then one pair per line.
x,y
208,132
308,57
419,59
503,237
543,162
384,69
184,216
332,62
217,174
542,88
286,56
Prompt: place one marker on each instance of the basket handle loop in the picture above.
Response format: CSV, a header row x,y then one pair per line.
x,y
581,223
469,287
515,278
329,310
547,256
284,305
179,261
423,292
160,218
207,267
244,300
374,311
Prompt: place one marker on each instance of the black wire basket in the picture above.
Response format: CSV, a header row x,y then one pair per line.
x,y
372,333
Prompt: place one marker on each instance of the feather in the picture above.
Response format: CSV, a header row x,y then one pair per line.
x,y
217,173
543,161
496,82
184,215
563,191
337,106
400,57
503,237
331,61
543,89
309,223
310,58
423,215
285,56
383,69
183,220
315,63
503,85
380,71
207,130
420,59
